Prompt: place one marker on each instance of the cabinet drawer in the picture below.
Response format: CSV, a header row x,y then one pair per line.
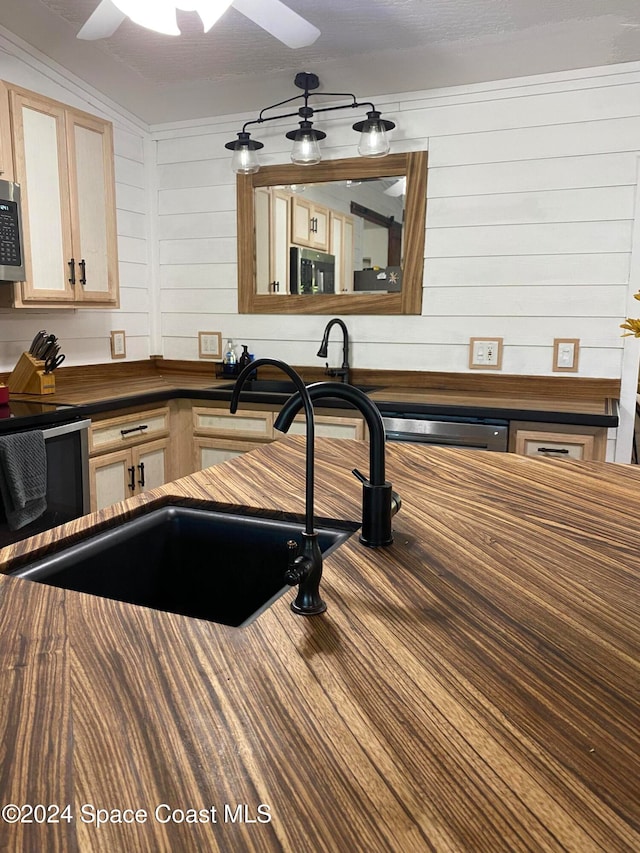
x,y
244,424
128,430
213,451
555,445
328,426
558,447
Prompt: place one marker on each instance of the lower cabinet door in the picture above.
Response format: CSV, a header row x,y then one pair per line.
x,y
112,478
121,474
150,463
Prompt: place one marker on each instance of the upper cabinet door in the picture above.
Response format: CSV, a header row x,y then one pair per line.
x,y
63,158
92,202
309,224
41,167
6,149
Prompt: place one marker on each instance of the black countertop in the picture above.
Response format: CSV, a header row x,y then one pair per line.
x,y
389,407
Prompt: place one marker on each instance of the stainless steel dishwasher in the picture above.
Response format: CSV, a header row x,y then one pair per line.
x,y
471,432
66,445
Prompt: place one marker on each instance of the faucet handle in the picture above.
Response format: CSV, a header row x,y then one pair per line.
x,y
295,569
360,477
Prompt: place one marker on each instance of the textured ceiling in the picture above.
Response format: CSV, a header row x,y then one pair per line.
x,y
369,46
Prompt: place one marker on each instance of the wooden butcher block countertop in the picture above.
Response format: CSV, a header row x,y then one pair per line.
x,y
555,399
472,687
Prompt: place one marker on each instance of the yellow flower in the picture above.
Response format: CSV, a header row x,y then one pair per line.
x,y
633,326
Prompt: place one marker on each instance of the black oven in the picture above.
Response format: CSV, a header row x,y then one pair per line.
x,y
67,497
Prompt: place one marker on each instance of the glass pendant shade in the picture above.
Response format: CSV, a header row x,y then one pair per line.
x,y
244,161
245,157
306,150
160,15
374,141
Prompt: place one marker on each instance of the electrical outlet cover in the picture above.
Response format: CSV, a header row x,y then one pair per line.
x,y
485,353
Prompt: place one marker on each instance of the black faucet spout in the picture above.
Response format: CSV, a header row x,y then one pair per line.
x,y
344,371
379,501
308,566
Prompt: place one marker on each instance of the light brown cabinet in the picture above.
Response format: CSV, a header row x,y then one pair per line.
x,y
272,240
558,441
6,149
218,435
121,474
309,224
63,159
129,454
341,247
328,426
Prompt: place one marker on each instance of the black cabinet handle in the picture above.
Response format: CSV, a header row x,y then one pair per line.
x,y
134,429
141,480
72,272
552,450
83,272
132,481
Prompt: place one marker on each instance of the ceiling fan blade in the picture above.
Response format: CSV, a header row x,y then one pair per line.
x,y
280,21
397,189
103,23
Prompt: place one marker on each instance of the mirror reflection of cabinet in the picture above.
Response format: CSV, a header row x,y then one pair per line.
x,y
341,227
309,224
272,240
254,293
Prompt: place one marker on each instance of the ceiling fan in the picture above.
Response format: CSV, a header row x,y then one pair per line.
x,y
160,15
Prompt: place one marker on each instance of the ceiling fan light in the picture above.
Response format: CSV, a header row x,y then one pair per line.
x,y
374,141
159,16
209,10
245,158
306,150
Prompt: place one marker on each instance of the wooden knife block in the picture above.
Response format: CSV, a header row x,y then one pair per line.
x,y
28,377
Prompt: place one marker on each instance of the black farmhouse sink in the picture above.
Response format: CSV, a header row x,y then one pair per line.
x,y
204,563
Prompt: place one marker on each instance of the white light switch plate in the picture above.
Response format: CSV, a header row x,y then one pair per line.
x,y
565,354
485,353
210,345
118,344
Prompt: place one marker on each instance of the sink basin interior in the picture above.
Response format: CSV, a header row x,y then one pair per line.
x,y
204,563
277,386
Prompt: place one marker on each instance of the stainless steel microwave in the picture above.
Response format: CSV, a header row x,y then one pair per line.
x,y
11,249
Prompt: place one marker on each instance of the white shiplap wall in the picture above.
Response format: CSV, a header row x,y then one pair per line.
x,y
530,223
85,334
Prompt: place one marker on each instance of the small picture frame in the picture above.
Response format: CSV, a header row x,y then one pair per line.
x,y
118,344
210,345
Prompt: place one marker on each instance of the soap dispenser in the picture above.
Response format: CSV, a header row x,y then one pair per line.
x,y
245,358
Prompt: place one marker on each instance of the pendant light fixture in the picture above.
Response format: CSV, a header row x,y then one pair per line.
x,y
374,141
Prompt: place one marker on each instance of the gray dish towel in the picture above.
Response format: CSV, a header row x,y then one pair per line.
x,y
23,477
